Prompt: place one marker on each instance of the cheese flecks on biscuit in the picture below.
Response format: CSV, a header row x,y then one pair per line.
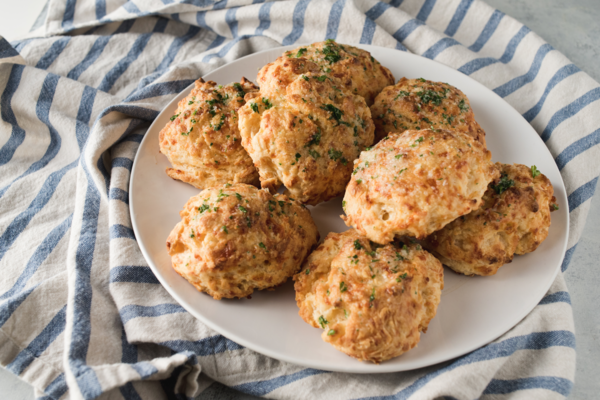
x,y
308,139
513,219
202,140
371,301
234,239
423,104
352,70
416,182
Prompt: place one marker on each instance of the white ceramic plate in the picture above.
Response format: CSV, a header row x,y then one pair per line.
x,y
473,311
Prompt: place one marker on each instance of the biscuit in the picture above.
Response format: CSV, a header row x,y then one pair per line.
x,y
513,219
423,104
416,182
235,239
202,140
306,139
352,69
371,301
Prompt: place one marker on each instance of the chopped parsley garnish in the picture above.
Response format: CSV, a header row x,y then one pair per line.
x,y
239,196
315,139
463,107
221,195
343,287
503,184
242,209
192,234
336,113
332,54
314,154
262,245
357,245
305,78
430,96
398,156
554,207
421,80
534,171
402,93
225,229
399,257
218,126
301,52
174,116
403,276
298,155
254,107
203,208
419,140
331,332
307,271
337,155
267,103
359,181
321,78
322,321
343,204
372,296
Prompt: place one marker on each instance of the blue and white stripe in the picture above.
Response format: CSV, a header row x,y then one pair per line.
x,y
76,98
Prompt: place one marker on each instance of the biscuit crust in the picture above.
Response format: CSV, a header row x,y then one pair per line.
x,y
423,104
371,301
202,140
416,182
235,239
352,69
514,221
307,139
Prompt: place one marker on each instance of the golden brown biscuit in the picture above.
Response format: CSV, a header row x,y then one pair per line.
x,y
203,142
422,104
352,69
416,182
235,239
308,138
371,301
513,219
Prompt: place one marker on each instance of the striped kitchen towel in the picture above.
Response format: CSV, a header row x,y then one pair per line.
x,y
81,313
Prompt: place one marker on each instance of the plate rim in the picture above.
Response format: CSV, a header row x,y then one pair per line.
x,y
381,368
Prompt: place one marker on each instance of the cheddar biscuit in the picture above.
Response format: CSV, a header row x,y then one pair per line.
x,y
235,239
202,140
513,219
371,301
416,182
422,104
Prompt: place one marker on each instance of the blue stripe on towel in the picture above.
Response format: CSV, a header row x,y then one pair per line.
x,y
582,194
37,346
532,341
552,383
17,134
333,22
520,81
569,111
488,31
261,388
458,17
39,256
298,23
132,274
558,77
135,311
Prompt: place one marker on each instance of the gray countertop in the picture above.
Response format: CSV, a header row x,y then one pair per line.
x,y
573,28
